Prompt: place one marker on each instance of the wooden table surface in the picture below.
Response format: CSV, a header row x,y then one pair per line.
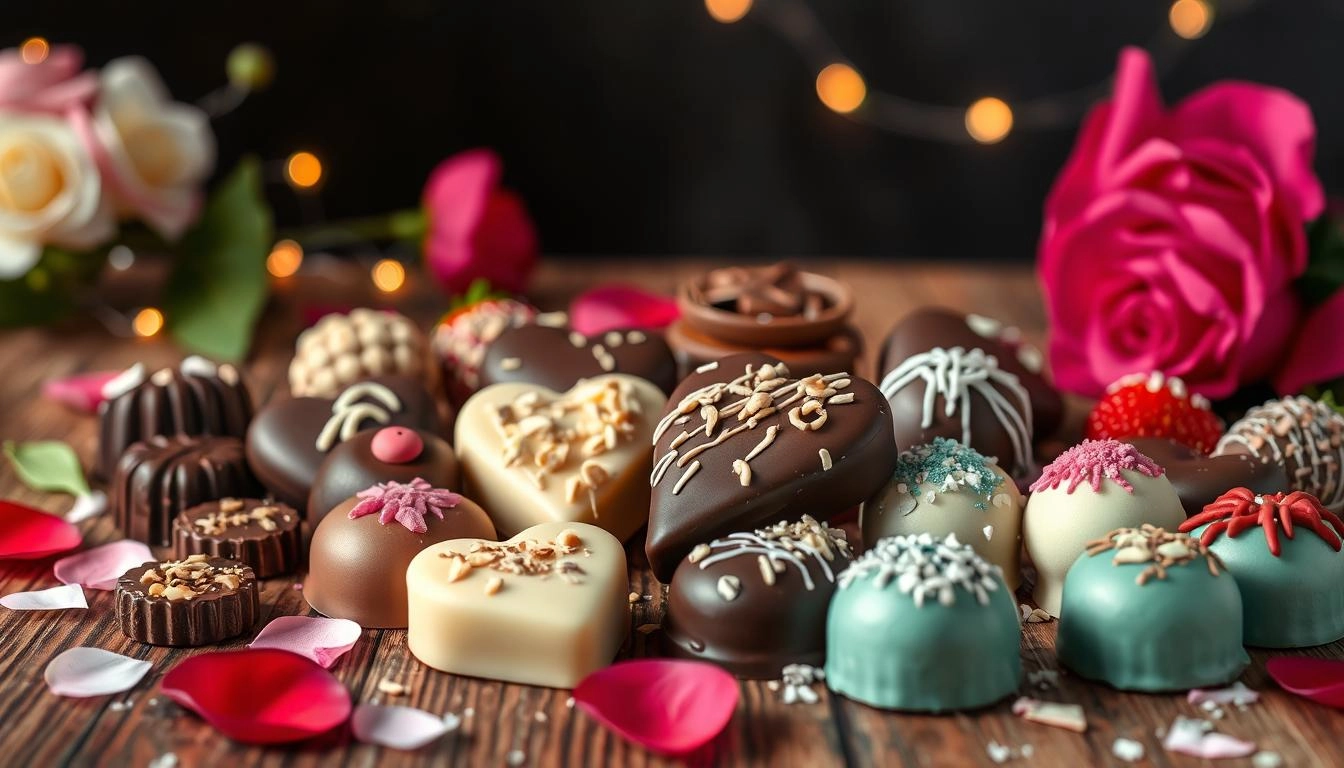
x,y
38,728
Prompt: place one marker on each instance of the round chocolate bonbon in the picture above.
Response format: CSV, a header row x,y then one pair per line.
x,y
195,601
353,465
266,535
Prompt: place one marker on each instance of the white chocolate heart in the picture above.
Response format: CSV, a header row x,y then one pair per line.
x,y
530,455
547,607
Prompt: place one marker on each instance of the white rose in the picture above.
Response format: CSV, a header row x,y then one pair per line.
x,y
156,153
50,192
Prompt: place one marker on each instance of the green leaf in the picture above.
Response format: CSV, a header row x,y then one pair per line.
x,y
47,465
48,291
218,288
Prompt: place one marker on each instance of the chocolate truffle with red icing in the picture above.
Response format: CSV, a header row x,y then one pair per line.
x,y
360,551
1285,551
380,455
1304,436
1093,488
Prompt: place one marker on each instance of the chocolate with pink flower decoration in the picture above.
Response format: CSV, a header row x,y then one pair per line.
x,y
405,503
1095,461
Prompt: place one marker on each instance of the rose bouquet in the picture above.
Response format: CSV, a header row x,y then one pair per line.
x,y
1177,240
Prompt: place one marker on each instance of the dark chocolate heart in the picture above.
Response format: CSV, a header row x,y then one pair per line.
x,y
283,441
702,451
557,358
1200,479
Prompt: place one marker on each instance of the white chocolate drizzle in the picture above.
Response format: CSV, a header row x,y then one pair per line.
x,y
349,411
781,545
124,382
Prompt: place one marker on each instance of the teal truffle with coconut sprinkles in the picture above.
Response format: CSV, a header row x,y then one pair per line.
x,y
923,624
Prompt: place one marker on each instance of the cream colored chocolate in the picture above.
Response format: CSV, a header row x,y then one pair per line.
x,y
530,455
981,505
547,607
1058,525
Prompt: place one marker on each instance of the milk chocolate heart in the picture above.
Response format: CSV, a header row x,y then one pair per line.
x,y
547,607
745,443
289,439
1200,479
530,455
558,358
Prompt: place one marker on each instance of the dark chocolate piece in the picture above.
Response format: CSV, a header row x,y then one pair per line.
x,y
930,327
264,534
352,466
841,352
158,478
557,358
286,445
815,446
195,601
198,398
360,552
760,307
1200,479
756,602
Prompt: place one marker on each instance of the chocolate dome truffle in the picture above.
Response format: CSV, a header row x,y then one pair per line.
x,y
756,602
945,487
343,349
1150,610
196,398
1304,436
558,358
157,479
1199,479
461,337
360,551
923,624
1091,489
380,455
1284,551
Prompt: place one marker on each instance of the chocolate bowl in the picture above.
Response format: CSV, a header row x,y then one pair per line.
x,y
764,329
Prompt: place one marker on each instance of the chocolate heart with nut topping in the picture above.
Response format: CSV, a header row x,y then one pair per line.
x,y
745,443
558,358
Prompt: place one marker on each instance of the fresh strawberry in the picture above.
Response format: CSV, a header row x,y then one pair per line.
x,y
1154,405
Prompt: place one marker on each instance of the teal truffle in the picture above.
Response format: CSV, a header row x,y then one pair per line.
x,y
1149,610
923,624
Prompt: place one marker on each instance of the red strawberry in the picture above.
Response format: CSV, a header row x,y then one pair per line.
x,y
1154,405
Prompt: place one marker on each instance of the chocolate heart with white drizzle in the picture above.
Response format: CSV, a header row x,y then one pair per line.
x,y
558,358
745,443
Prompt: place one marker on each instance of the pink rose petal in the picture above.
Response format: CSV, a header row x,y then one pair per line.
x,y
617,307
318,638
29,534
396,727
667,705
53,599
1318,680
1196,738
100,567
260,695
1316,355
87,505
83,672
1237,693
83,391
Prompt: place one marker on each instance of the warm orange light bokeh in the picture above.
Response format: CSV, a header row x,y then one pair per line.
x,y
303,170
841,87
388,275
989,120
34,50
285,258
727,11
148,322
1191,19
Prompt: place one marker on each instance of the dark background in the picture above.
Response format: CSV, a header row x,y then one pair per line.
x,y
644,126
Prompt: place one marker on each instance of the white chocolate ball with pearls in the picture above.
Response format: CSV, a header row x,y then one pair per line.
x,y
343,349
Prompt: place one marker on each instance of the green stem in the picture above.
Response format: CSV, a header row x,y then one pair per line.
x,y
398,225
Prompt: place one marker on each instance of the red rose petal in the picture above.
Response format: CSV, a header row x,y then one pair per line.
x,y
29,534
616,307
260,696
83,391
669,706
1318,680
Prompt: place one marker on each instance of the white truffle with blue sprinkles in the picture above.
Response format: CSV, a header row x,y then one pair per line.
x,y
923,624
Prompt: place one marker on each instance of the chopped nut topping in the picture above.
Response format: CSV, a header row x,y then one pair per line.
x,y
494,584
391,687
231,514
230,505
192,577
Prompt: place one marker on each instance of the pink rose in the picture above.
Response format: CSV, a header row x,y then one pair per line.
x,y
54,85
1172,237
476,229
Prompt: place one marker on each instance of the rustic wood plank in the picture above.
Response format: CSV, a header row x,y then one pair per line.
x,y
37,728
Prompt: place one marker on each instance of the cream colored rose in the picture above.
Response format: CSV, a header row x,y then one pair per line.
x,y
155,153
50,192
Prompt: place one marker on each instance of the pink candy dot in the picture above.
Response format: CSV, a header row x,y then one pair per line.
x,y
396,445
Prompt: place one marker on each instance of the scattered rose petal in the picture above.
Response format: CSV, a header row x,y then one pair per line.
x,y
82,672
166,760
29,534
53,599
1128,750
396,726
83,391
1195,737
1318,680
100,567
260,695
87,505
617,307
667,705
1266,760
1067,716
1237,693
318,638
